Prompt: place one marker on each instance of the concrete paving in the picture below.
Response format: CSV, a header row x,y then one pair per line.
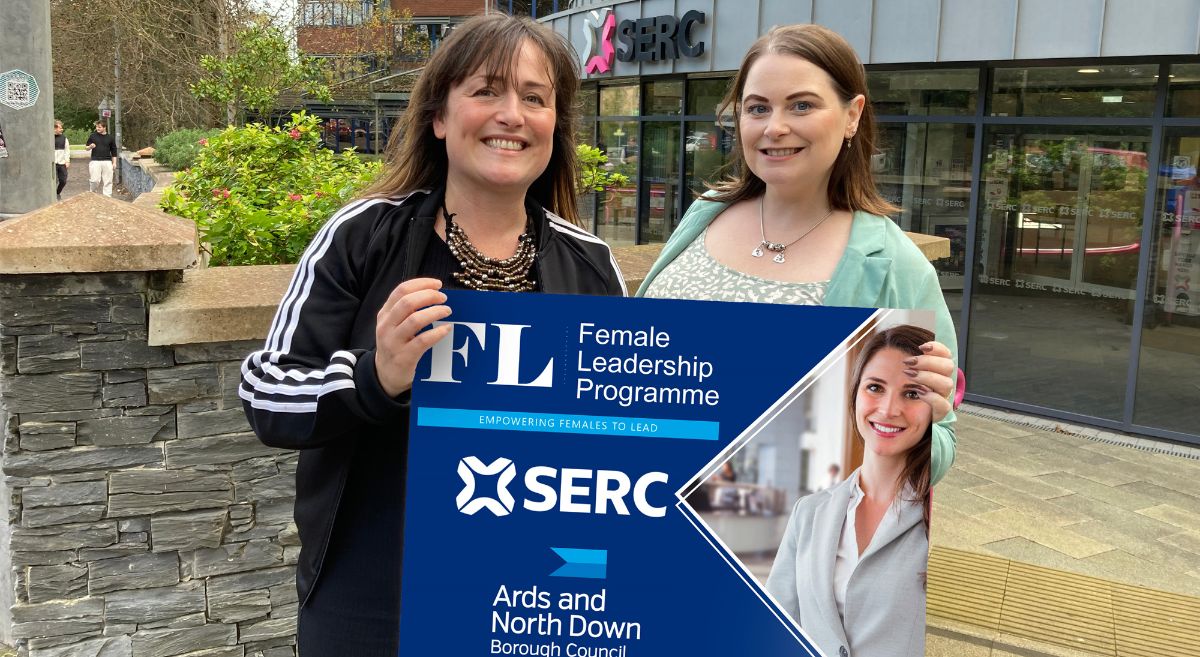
x,y
1124,511
77,178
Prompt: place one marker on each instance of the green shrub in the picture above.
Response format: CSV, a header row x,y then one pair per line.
x,y
76,137
260,194
594,175
178,149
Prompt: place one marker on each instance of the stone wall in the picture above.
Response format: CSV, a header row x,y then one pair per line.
x,y
144,518
138,174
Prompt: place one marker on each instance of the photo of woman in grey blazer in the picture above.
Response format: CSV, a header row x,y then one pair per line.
x,y
852,564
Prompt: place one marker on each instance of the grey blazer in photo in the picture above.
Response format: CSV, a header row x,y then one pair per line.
x,y
885,598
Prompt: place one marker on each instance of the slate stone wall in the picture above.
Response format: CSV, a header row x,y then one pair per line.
x,y
144,519
136,177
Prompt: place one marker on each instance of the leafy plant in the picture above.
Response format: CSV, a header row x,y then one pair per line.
x,y
255,74
76,137
259,194
594,175
178,149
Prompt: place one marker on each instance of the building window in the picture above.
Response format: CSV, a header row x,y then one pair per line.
x,y
1183,93
335,13
1108,91
925,170
616,213
1057,245
533,8
663,97
1169,363
946,92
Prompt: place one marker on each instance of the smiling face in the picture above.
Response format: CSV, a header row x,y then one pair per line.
x,y
792,122
888,410
499,135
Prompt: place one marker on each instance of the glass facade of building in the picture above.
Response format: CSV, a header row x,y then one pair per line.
x,y
1068,192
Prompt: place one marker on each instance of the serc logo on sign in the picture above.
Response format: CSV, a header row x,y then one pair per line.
x,y
466,500
573,494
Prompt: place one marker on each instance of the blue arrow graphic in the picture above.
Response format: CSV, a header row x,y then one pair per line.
x,y
584,564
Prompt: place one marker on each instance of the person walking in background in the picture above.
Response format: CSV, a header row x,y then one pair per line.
x,y
62,157
104,159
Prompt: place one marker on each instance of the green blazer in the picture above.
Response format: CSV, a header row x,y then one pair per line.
x,y
880,268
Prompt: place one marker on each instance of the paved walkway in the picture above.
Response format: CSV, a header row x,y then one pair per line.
x,y
1047,543
77,181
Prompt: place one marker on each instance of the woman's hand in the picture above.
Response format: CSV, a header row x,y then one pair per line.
x,y
934,370
399,341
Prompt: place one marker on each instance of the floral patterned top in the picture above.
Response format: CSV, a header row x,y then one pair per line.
x,y
695,274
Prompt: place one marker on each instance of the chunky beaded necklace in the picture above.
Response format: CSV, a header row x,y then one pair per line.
x,y
479,272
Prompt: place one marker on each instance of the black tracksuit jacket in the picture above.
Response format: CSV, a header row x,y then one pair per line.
x,y
313,387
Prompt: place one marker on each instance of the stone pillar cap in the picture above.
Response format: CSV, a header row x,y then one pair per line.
x,y
93,233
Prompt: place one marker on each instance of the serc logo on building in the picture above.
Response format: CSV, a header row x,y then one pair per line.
x,y
652,39
605,22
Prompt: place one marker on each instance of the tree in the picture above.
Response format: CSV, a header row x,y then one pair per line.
x,y
161,42
257,71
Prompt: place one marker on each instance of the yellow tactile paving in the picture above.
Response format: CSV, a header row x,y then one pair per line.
x,y
1154,623
1058,608
966,587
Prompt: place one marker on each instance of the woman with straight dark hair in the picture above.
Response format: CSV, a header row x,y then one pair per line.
x,y
800,220
478,193
851,569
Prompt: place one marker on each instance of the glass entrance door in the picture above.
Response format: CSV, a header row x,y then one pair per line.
x,y
1072,209
1057,244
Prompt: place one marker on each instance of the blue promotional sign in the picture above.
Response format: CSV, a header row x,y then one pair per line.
x,y
554,443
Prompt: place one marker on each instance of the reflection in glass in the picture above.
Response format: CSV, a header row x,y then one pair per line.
x,y
925,170
947,91
1074,91
620,100
616,208
659,188
588,97
1057,248
1168,384
1183,93
705,94
664,97
706,149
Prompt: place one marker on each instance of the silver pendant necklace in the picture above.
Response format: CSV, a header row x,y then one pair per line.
x,y
776,247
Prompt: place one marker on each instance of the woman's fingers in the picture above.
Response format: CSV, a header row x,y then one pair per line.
x,y
400,335
933,369
938,404
940,384
406,288
935,363
418,321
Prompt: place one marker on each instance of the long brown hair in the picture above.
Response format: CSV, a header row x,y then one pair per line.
x,y
851,184
907,339
416,159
